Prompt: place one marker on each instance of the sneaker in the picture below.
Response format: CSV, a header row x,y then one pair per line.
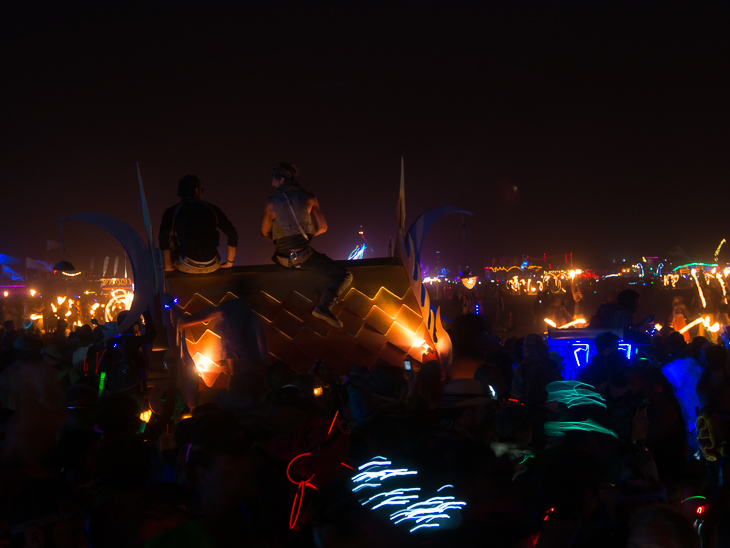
x,y
326,315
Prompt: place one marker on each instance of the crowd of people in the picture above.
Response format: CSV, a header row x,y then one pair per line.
x,y
632,453
500,446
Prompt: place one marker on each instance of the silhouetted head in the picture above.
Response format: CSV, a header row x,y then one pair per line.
x,y
187,185
285,170
606,342
676,344
628,299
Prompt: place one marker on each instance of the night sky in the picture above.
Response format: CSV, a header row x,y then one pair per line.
x,y
597,128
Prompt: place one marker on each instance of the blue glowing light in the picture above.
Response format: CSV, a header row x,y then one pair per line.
x,y
436,511
377,461
626,348
357,253
578,353
584,350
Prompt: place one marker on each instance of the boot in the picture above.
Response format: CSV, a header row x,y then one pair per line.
x,y
323,310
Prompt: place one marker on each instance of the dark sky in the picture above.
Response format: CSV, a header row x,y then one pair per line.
x,y
597,128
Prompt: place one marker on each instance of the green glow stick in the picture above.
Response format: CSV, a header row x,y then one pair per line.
x,y
559,428
573,393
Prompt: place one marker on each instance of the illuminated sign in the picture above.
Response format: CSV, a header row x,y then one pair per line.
x,y
577,352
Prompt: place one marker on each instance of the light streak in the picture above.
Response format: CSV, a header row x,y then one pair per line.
x,y
584,348
626,348
381,462
574,393
299,496
424,525
691,324
717,251
397,500
394,493
722,284
432,512
357,253
383,474
60,300
333,422
32,292
699,288
550,322
145,416
579,321
432,509
364,485
680,267
557,429
36,316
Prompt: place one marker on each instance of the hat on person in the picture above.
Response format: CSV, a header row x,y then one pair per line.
x,y
459,393
52,353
